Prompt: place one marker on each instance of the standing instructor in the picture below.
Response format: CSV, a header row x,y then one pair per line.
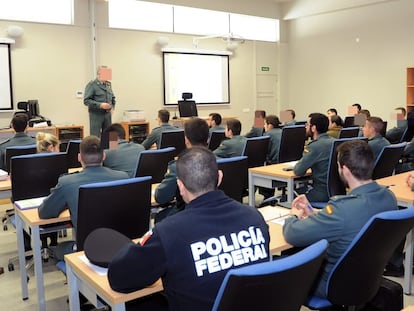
x,y
100,100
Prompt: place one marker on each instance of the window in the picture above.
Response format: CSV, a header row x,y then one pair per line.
x,y
43,11
132,14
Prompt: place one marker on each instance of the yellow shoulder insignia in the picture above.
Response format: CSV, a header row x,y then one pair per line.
x,y
328,209
306,150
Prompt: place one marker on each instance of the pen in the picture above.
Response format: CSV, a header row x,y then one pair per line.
x,y
145,237
310,208
392,185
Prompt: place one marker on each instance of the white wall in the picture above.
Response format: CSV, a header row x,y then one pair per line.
x,y
324,65
52,62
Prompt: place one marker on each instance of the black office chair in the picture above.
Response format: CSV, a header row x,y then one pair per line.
x,y
349,121
384,128
16,151
235,177
123,205
215,139
387,160
356,277
172,139
33,176
348,132
281,285
72,151
335,185
292,143
256,150
154,163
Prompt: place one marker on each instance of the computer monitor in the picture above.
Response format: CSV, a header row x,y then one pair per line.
x,y
187,108
33,108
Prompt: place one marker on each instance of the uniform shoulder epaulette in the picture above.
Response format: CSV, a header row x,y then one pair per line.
x,y
7,140
337,198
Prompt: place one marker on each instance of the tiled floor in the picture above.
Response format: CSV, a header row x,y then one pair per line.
x,y
55,287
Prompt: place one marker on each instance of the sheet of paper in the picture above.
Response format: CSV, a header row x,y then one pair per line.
x,y
97,269
272,212
29,203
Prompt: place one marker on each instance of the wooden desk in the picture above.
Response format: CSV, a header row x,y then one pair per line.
x,y
82,278
29,221
405,197
179,122
264,176
31,131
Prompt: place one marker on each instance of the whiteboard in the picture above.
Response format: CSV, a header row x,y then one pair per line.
x,y
6,96
206,76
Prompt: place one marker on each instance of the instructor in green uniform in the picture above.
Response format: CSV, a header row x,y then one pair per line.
x,y
100,100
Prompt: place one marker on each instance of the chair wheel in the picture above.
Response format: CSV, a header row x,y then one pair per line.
x,y
10,267
5,228
60,234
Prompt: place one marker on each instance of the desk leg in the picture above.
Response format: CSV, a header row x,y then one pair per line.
x,y
74,303
408,263
290,188
22,259
38,267
251,190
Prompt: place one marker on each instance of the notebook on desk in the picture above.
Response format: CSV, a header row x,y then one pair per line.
x,y
29,203
288,166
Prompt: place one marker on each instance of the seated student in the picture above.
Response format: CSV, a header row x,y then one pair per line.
x,y
19,124
46,142
258,124
192,251
234,146
291,120
66,193
335,126
196,134
394,134
125,157
316,157
155,135
214,123
372,130
343,217
331,112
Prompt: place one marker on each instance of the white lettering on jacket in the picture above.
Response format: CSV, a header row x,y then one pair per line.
x,y
222,253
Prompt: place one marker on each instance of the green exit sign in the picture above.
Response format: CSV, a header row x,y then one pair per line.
x,y
265,68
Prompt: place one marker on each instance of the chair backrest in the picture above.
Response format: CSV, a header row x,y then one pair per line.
x,y
33,175
234,176
292,143
349,121
187,108
347,132
281,284
215,139
384,128
356,276
173,139
154,163
123,205
334,182
256,150
387,160
72,151
16,151
408,134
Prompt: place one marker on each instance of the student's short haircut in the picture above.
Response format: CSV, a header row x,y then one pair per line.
x,y
91,150
164,115
358,157
337,120
376,123
117,128
358,106
292,112
321,122
19,122
197,169
333,110
365,112
196,131
216,117
234,125
403,110
273,120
